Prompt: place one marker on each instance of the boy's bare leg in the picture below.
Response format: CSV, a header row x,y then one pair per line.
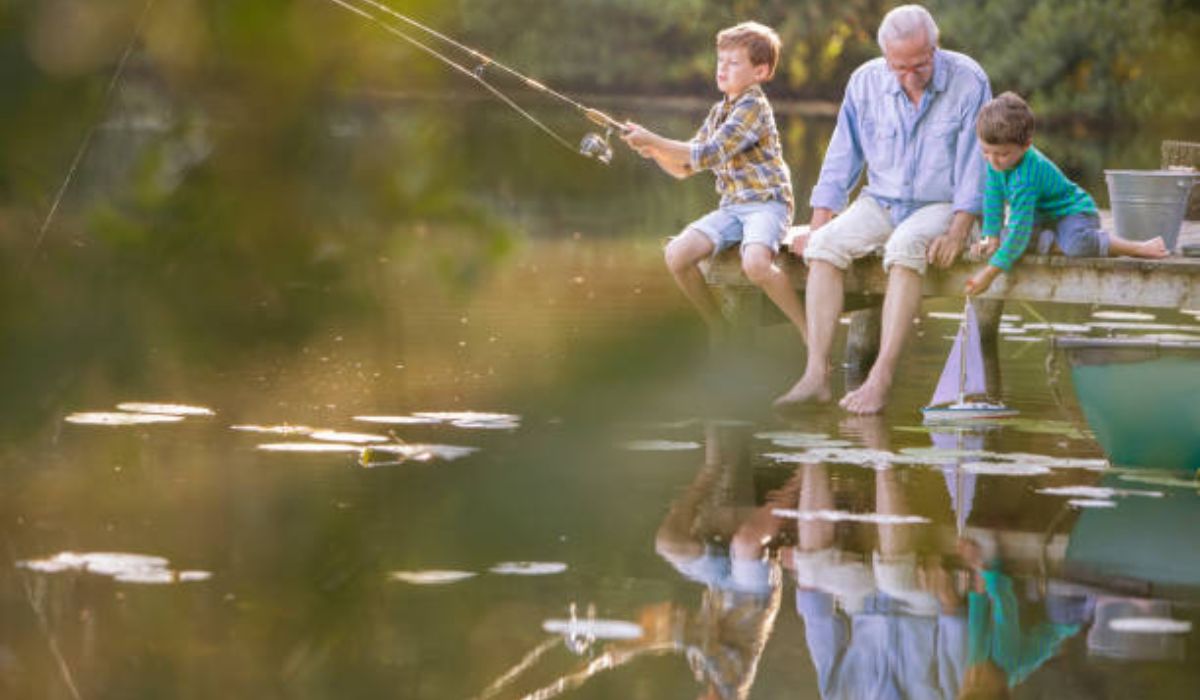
x,y
900,305
683,255
823,300
758,262
1153,248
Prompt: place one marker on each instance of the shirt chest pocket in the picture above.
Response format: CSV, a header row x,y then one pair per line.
x,y
939,145
881,143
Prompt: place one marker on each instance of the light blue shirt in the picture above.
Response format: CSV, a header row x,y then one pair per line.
x,y
914,154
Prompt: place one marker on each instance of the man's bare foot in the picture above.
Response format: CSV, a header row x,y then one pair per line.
x,y
869,398
1153,248
810,389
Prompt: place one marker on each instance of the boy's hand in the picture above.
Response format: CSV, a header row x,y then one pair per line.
x,y
980,282
639,139
984,248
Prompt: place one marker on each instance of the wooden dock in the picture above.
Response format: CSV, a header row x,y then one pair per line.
x,y
1172,283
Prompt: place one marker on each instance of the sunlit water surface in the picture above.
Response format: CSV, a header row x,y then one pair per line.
x,y
533,478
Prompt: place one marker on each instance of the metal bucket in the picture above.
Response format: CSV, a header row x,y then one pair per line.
x,y
1149,203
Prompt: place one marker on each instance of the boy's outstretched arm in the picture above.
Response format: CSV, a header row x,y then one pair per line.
x,y
672,156
979,283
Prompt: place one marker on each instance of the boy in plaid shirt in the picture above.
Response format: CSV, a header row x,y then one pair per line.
x,y
739,142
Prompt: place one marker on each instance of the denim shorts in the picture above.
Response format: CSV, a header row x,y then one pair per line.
x,y
1077,235
764,223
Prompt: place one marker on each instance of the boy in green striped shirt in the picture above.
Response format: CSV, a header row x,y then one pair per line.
x,y
1037,194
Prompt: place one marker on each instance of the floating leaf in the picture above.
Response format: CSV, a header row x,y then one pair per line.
x,y
284,429
1161,480
355,438
529,568
595,629
660,445
170,409
1124,315
309,447
406,452
1150,625
398,420
1005,468
1097,492
835,516
121,418
121,566
432,577
1091,503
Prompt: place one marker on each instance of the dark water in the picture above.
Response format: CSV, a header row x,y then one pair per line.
x,y
639,473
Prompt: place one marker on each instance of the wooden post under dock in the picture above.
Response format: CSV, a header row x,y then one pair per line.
x,y
1170,283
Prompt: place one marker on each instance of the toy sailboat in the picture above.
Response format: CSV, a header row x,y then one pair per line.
x,y
962,377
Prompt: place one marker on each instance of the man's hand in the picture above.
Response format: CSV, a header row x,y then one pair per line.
x,y
944,249
979,283
820,217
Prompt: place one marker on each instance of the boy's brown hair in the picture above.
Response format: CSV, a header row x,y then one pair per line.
x,y
761,42
1005,120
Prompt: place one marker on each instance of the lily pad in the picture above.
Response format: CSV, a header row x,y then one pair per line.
x,y
169,409
1150,625
322,447
120,418
660,445
414,452
398,420
595,629
529,568
120,566
284,429
355,438
1005,468
1124,315
431,577
835,516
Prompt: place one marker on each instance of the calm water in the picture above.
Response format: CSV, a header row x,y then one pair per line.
x,y
633,477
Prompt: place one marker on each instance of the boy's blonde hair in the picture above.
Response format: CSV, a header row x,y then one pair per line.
x,y
1005,120
761,42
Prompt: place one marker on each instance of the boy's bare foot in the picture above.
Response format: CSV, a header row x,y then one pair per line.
x,y
869,398
810,389
1153,248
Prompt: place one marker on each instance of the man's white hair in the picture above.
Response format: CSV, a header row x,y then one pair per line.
x,y
905,22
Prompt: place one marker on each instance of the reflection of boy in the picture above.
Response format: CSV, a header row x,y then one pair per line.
x,y
996,643
1036,192
739,142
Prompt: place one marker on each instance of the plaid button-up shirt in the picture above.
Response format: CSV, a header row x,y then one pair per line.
x,y
740,144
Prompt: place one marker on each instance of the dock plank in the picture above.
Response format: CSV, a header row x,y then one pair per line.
x,y
1172,283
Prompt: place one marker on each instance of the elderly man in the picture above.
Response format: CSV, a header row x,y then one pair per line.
x,y
909,117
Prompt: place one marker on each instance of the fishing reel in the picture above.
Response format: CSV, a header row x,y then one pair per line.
x,y
596,146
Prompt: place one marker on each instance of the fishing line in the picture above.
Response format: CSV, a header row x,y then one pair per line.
x,y
592,145
87,139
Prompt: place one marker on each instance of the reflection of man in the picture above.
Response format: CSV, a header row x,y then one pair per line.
x,y
885,628
909,118
713,535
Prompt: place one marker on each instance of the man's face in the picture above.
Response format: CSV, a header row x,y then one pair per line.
x,y
911,60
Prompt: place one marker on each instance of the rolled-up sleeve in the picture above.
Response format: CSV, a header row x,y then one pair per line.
x,y
736,134
969,168
843,162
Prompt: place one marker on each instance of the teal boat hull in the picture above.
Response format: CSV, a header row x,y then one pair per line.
x,y
1141,399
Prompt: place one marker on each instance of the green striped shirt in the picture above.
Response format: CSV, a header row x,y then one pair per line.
x,y
1034,189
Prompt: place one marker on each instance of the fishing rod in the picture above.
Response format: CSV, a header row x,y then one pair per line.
x,y
592,145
